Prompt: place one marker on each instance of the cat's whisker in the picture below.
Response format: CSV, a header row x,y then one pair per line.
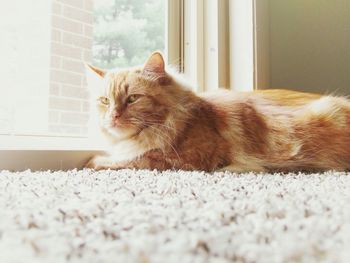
x,y
169,128
166,141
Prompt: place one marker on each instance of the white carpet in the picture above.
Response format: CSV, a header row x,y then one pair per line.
x,y
144,216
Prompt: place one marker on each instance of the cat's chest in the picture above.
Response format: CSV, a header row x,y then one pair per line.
x,y
127,150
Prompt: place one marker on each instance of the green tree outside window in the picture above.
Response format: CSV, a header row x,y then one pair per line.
x,y
126,31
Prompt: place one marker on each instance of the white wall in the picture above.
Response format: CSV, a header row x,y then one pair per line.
x,y
310,45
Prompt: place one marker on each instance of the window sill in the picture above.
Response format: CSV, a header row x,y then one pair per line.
x,y
32,142
39,160
18,153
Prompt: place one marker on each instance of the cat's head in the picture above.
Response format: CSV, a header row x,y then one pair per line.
x,y
131,100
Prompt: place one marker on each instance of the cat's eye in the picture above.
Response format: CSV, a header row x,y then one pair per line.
x,y
132,98
104,100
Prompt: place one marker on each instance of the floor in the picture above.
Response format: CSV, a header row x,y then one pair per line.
x,y
148,216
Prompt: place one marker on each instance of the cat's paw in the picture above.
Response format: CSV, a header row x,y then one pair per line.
x,y
100,162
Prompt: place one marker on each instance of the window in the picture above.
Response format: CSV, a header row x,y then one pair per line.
x,y
126,32
43,49
25,71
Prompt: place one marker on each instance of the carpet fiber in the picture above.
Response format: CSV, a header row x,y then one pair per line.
x,y
147,216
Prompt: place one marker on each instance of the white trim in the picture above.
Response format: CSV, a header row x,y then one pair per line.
x,y
20,152
249,44
216,44
30,142
211,45
194,43
207,44
241,45
19,160
173,42
226,43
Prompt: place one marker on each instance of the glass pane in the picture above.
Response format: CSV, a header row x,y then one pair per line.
x,y
127,31
44,45
24,67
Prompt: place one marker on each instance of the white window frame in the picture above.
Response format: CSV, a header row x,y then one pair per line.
x,y
226,44
174,34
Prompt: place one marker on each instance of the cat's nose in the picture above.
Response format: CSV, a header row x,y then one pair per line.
x,y
117,114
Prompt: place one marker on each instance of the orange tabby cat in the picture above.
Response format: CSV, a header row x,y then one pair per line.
x,y
153,121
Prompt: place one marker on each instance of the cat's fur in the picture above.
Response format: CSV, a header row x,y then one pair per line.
x,y
167,126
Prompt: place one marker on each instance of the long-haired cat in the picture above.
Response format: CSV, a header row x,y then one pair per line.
x,y
154,121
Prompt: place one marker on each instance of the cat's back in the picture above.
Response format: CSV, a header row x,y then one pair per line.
x,y
279,100
287,129
280,107
274,97
285,97
306,106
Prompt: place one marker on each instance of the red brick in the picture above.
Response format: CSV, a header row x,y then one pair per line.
x,y
56,8
88,31
74,92
73,65
55,62
74,118
54,89
54,116
78,14
67,24
86,106
84,82
75,3
87,56
56,35
66,51
65,129
89,5
66,77
77,41
65,104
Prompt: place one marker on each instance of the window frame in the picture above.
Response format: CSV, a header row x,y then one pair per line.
x,y
229,39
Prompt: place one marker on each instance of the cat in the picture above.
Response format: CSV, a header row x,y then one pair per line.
x,y
154,121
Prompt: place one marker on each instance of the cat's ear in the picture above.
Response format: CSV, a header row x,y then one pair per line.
x,y
155,65
94,79
95,70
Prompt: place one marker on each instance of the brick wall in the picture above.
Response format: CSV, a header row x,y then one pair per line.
x,y
71,46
